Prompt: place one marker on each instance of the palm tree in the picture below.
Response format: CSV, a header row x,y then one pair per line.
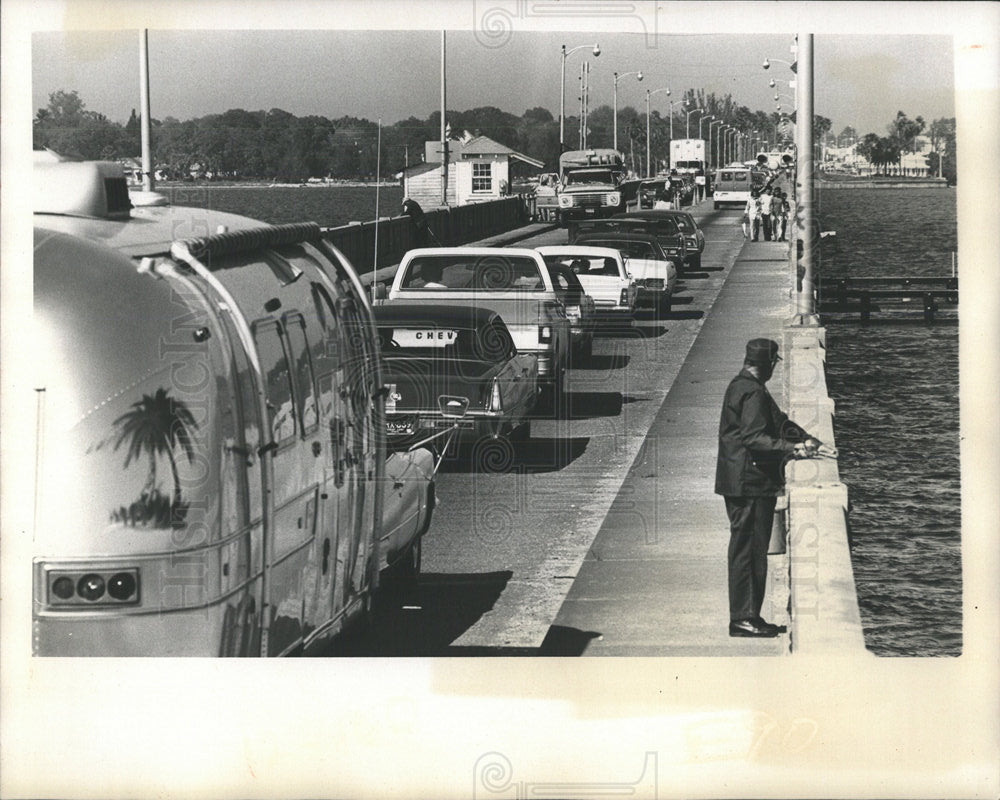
x,y
156,425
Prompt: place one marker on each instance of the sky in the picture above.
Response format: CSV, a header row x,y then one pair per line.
x,y
861,80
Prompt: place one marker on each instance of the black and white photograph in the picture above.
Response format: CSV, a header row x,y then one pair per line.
x,y
438,348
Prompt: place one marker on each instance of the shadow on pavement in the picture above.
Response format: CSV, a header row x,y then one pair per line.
x,y
604,363
587,405
549,454
563,641
690,314
426,621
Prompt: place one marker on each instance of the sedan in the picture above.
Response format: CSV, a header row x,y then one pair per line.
x,y
655,274
602,273
580,310
694,237
453,372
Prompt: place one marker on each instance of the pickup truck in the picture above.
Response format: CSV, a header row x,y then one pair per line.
x,y
511,281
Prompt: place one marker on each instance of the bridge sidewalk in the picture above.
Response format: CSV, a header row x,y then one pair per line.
x,y
654,582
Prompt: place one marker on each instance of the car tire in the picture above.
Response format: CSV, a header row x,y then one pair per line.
x,y
663,305
586,351
716,206
521,433
696,262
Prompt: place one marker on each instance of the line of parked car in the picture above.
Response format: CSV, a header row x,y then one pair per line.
x,y
476,341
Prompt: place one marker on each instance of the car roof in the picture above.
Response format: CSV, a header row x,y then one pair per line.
x,y
451,316
653,213
624,236
471,251
578,250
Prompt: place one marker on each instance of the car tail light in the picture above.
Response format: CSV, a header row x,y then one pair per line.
x,y
544,334
623,300
573,312
495,405
95,587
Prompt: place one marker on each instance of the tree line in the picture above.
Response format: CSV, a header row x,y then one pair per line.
x,y
277,145
885,152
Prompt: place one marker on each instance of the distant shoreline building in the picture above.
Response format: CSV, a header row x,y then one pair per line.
x,y
479,169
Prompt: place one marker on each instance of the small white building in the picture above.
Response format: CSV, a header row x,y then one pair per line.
x,y
478,170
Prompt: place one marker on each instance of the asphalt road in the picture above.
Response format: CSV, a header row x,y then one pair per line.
x,y
509,535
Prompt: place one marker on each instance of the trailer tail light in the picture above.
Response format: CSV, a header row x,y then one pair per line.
x,y
495,405
86,588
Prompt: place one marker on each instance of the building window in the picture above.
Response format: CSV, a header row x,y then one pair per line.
x,y
482,177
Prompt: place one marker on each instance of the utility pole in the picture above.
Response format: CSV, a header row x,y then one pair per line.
x,y
145,128
804,186
444,135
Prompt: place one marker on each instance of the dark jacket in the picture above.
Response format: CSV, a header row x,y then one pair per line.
x,y
755,440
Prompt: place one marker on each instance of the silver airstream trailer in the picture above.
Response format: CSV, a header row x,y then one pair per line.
x,y
211,476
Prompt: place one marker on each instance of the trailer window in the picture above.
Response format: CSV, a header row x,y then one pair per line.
x,y
274,366
304,377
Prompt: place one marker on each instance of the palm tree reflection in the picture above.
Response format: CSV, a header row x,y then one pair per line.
x,y
156,425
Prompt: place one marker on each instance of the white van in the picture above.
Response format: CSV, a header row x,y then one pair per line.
x,y
732,185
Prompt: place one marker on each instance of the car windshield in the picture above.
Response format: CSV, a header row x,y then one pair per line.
x,y
464,272
585,265
684,223
579,176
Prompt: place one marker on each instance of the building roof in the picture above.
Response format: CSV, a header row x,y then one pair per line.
x,y
477,146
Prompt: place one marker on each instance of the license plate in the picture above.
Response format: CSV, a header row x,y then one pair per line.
x,y
431,337
398,426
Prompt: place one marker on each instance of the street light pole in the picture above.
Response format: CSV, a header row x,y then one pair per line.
x,y
701,120
713,152
649,164
687,128
617,76
562,90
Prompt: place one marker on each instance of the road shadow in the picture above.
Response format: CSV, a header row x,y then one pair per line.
x,y
641,331
588,405
548,454
693,313
426,620
605,363
563,641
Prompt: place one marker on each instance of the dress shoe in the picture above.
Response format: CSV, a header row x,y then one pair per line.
x,y
763,623
750,628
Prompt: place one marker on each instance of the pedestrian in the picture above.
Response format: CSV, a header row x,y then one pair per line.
x,y
422,234
766,198
752,213
781,209
755,440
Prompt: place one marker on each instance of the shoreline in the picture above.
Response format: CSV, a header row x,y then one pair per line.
x,y
263,185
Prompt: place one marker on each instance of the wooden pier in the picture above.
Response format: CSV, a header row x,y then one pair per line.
x,y
866,296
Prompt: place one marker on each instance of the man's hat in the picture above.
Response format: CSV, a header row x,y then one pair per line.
x,y
762,352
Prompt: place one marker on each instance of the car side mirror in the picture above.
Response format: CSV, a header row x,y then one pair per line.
x,y
379,291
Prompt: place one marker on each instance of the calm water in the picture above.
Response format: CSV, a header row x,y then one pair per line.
x,y
897,423
327,205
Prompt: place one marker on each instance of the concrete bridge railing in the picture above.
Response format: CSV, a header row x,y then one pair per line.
x,y
825,618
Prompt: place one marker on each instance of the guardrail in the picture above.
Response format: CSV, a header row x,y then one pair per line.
x,y
451,226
